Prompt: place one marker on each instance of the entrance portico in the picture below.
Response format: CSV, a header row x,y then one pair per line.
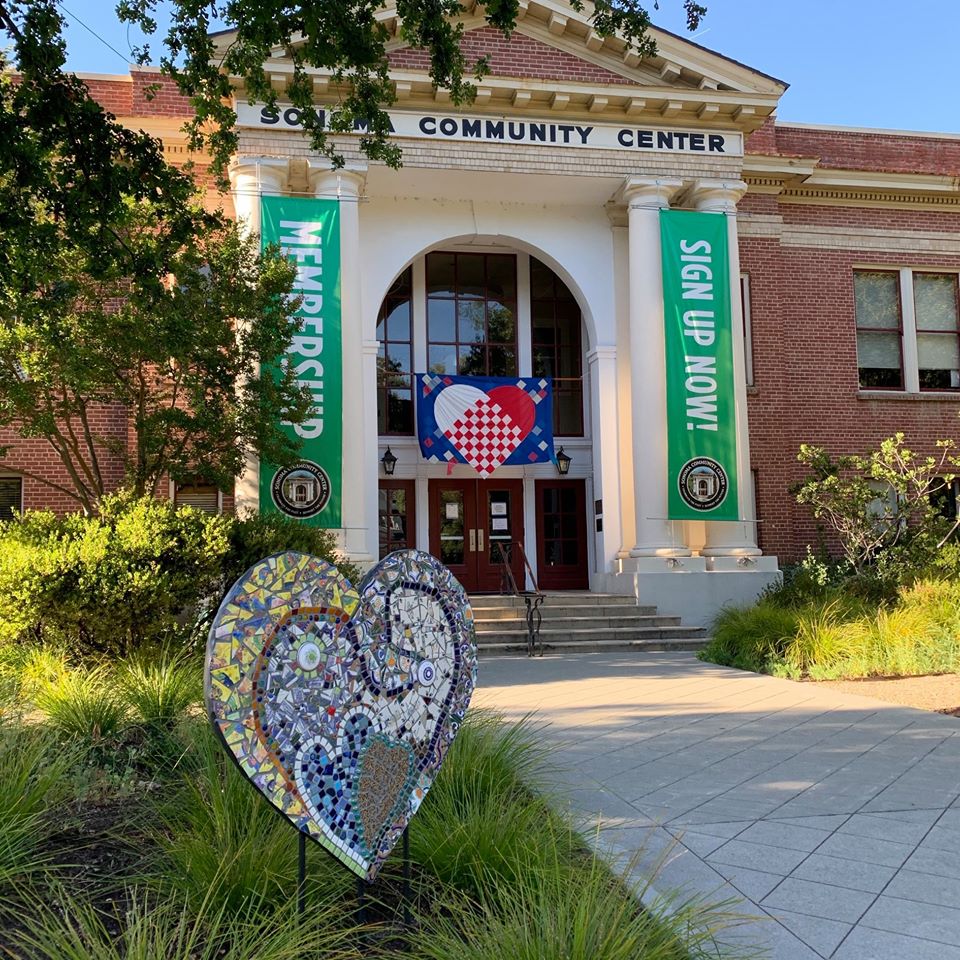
x,y
584,214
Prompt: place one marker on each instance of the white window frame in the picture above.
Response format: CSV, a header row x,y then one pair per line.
x,y
908,327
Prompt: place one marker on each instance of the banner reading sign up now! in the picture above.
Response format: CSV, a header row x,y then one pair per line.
x,y
701,411
308,233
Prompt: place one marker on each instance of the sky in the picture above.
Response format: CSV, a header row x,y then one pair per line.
x,y
860,63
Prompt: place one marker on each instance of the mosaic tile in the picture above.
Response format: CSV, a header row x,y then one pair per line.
x,y
339,704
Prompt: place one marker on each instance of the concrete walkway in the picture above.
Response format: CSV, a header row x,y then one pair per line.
x,y
834,818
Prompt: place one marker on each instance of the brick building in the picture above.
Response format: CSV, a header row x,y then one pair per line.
x,y
541,201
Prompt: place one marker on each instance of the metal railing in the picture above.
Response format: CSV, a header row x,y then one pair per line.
x,y
533,599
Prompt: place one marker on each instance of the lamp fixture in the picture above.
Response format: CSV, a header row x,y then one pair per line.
x,y
389,462
563,463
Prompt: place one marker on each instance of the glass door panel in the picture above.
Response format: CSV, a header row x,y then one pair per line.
x,y
453,546
562,540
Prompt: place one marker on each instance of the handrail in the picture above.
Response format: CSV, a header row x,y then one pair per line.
x,y
532,599
526,563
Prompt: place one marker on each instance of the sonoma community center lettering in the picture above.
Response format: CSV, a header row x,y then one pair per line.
x,y
542,133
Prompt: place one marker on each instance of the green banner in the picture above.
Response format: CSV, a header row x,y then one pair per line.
x,y
698,328
308,233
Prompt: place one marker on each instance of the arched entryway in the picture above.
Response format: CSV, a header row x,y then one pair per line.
x,y
485,310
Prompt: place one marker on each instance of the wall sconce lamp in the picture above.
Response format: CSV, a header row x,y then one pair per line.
x,y
389,462
563,463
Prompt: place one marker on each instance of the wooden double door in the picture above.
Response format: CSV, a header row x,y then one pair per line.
x,y
474,525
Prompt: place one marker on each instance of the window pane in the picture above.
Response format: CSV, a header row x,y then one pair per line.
x,y
473,327
472,362
503,362
879,350
500,319
440,274
877,298
442,359
400,411
502,277
541,280
470,277
543,362
442,321
935,296
398,321
397,360
939,361
568,416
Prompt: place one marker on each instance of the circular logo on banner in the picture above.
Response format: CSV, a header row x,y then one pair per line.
x,y
703,483
302,490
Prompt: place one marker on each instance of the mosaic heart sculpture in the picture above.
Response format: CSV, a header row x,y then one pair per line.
x,y
485,427
339,704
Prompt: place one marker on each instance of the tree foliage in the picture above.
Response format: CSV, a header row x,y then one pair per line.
x,y
883,506
118,289
349,42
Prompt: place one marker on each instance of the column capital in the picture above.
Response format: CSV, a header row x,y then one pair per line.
x,y
343,183
648,192
601,353
259,174
717,196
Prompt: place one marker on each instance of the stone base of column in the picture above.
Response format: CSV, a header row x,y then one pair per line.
x,y
689,587
738,563
659,550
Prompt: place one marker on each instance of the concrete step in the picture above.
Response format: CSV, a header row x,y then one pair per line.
x,y
480,601
593,646
561,612
550,622
559,635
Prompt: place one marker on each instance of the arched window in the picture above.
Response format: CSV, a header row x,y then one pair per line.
x,y
556,346
394,362
471,314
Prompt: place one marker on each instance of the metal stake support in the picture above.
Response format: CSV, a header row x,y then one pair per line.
x,y
301,874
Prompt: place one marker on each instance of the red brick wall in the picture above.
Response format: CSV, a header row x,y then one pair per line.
x,y
805,363
519,56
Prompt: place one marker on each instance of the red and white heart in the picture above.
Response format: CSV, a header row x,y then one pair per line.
x,y
484,426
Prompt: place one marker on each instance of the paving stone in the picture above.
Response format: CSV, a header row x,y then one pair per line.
x,y
925,887
941,863
785,835
823,935
863,943
699,843
757,856
925,920
867,849
855,874
818,823
754,884
818,900
879,828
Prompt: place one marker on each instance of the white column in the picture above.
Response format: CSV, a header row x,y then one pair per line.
x,y
732,538
655,535
250,178
359,374
605,434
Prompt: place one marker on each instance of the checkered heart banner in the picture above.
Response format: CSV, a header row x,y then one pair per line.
x,y
485,422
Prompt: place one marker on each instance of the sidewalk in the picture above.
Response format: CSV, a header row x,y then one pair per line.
x,y
834,818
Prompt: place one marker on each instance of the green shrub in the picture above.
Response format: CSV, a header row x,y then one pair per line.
x,y
261,535
751,638
149,929
580,912
110,583
160,689
216,830
85,705
34,770
481,822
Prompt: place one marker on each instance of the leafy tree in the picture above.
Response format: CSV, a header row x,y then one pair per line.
x,y
118,288
882,506
348,41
